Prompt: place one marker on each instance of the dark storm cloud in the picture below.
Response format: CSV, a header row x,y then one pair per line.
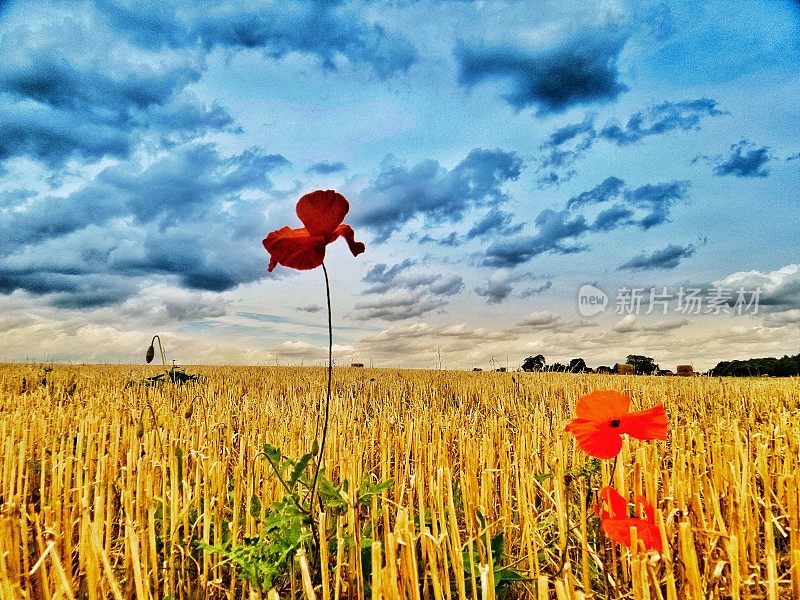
x,y
660,119
501,284
181,217
559,232
658,200
399,194
122,71
49,217
451,240
446,286
70,89
71,286
494,223
495,292
744,161
326,168
562,147
609,188
325,30
397,307
666,258
569,142
612,217
381,273
47,135
576,70
539,289
189,182
383,278
556,233
404,292
567,133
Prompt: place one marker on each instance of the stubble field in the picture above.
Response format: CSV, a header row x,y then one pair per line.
x,y
110,490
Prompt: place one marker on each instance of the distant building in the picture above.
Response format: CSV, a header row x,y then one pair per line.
x,y
685,370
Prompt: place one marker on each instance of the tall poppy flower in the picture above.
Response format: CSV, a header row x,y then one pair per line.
x,y
322,213
602,418
617,524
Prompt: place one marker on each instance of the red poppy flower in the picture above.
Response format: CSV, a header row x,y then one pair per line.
x,y
617,525
602,418
322,213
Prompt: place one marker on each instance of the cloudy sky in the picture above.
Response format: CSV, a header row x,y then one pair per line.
x,y
497,155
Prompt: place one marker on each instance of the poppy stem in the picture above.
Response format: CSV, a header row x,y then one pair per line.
x,y
327,397
613,469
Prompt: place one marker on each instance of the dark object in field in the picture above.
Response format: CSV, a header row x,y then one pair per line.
x,y
175,374
178,376
623,369
685,370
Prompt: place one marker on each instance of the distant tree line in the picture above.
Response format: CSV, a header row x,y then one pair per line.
x,y
776,367
787,366
642,365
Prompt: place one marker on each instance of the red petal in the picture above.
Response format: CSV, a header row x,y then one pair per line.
x,y
614,505
596,439
294,248
649,534
649,511
602,405
649,424
322,211
349,235
618,530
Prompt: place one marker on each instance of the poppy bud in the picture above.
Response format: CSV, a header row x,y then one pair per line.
x,y
151,352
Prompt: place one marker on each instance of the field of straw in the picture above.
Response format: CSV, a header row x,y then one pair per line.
x,y
110,490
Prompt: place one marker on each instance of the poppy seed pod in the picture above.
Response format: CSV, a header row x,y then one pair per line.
x,y
151,352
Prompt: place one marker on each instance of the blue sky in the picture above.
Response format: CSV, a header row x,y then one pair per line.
x,y
497,156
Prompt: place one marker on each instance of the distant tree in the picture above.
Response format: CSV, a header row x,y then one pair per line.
x,y
558,368
642,365
577,365
604,369
533,363
785,366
